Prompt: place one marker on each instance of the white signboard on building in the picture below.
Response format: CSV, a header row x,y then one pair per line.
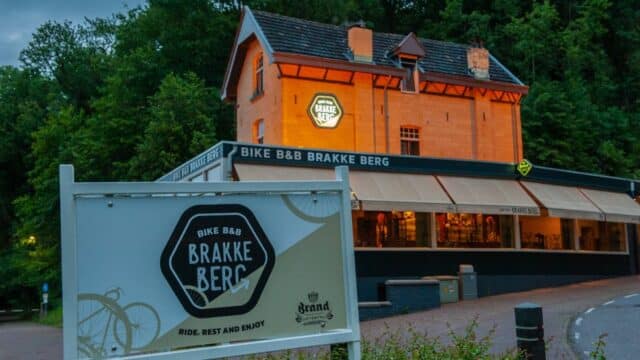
x,y
222,269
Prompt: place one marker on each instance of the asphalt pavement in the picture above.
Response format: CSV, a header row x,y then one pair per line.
x,y
29,341
560,307
617,321
605,306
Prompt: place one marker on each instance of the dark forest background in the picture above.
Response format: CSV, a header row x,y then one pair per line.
x,y
132,96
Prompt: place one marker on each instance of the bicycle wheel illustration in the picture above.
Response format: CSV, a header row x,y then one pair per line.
x,y
95,314
311,207
143,322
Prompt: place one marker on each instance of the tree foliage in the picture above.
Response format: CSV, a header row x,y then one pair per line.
x,y
134,95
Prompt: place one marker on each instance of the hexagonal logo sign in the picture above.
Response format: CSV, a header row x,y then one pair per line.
x,y
217,260
325,111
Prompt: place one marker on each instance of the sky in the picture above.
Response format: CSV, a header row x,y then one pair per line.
x,y
19,19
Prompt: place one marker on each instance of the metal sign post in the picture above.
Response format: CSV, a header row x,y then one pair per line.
x,y
223,269
45,300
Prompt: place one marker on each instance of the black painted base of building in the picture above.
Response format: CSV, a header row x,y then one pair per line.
x,y
498,272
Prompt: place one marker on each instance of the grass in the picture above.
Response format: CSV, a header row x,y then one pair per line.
x,y
53,318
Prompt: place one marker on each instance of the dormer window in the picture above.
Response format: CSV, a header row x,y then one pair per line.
x,y
407,53
410,78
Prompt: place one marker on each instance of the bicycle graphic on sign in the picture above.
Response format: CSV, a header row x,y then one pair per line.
x,y
105,328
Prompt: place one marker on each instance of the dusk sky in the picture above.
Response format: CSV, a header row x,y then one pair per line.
x,y
19,19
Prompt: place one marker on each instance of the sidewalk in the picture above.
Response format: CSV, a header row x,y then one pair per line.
x,y
560,305
20,340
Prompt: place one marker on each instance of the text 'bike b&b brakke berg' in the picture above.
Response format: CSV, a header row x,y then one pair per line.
x,y
321,157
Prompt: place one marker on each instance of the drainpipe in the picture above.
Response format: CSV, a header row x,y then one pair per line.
x,y
386,115
373,107
228,165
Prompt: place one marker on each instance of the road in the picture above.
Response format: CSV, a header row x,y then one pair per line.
x,y
562,307
495,314
619,319
26,340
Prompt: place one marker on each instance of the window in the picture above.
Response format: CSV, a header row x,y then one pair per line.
x,y
474,230
391,229
537,232
258,132
601,236
408,83
258,83
409,141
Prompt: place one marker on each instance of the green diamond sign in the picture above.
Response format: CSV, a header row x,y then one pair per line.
x,y
524,167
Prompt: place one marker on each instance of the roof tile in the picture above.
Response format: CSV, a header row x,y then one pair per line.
x,y
293,35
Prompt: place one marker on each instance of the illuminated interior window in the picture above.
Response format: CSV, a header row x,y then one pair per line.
x,y
258,132
601,236
391,229
259,75
548,233
409,141
474,230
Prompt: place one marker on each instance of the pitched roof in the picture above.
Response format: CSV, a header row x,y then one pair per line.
x,y
410,45
283,37
293,35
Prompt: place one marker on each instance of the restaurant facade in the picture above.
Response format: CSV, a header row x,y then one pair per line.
x,y
431,132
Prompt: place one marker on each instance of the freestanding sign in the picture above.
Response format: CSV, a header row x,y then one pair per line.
x,y
223,269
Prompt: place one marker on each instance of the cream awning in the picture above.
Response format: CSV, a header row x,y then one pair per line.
x,y
393,191
489,196
617,207
563,201
376,190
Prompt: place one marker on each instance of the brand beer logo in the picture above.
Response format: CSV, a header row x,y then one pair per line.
x,y
217,250
325,110
314,312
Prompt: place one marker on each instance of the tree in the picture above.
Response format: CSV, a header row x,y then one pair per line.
x,y
181,123
534,38
35,256
25,100
76,57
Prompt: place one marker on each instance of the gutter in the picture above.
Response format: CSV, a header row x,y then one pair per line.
x,y
228,164
386,115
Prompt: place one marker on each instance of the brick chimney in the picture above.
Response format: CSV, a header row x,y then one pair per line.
x,y
478,62
360,41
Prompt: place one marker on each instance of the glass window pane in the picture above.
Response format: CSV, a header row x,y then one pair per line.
x,y
474,230
615,239
549,233
602,236
391,229
589,234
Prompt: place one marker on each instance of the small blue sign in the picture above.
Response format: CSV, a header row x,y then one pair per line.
x,y
45,288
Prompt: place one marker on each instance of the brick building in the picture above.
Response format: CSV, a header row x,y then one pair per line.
x,y
448,100
431,132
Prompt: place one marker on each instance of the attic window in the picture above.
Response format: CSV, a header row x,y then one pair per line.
x,y
258,81
408,82
258,131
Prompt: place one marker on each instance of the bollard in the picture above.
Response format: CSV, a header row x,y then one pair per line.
x,y
530,331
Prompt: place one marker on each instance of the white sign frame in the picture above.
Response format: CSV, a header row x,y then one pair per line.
x,y
70,190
